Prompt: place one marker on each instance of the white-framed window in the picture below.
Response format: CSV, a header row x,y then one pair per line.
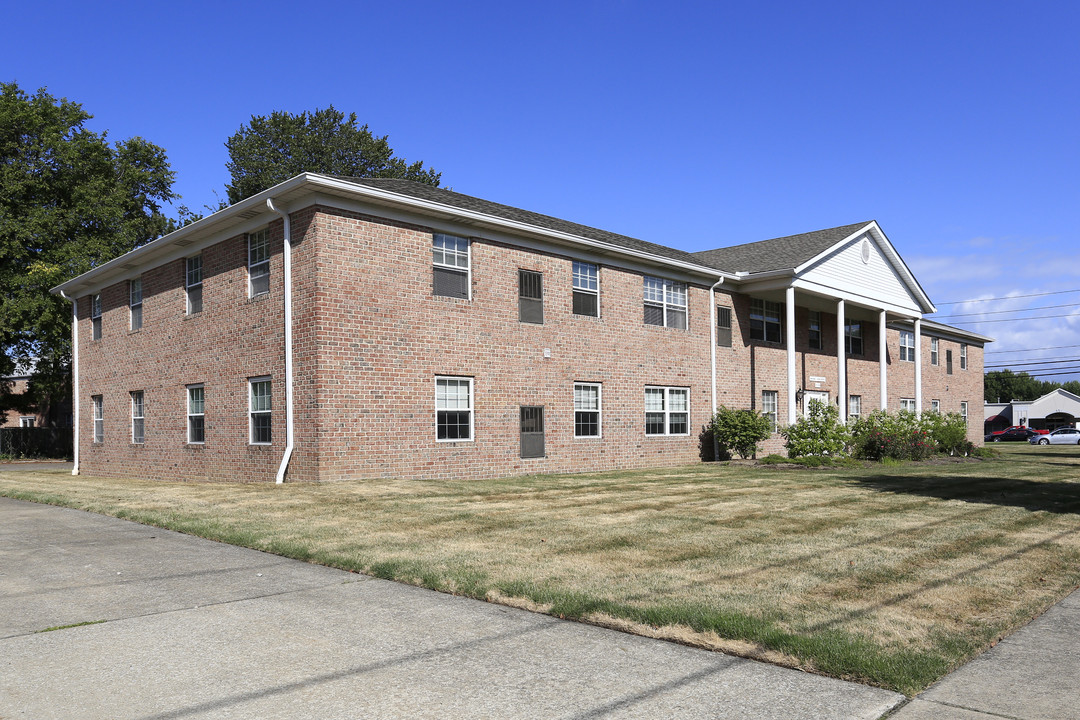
x,y
27,421
258,262
963,356
135,303
95,316
193,284
907,346
854,407
99,418
451,275
935,406
196,414
586,289
853,340
667,410
665,302
587,408
138,418
453,409
765,320
259,410
770,402
964,410
907,404
933,351
814,323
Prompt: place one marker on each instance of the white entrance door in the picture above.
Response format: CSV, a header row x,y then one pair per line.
x,y
808,395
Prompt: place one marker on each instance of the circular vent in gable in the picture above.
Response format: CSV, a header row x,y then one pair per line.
x,y
865,250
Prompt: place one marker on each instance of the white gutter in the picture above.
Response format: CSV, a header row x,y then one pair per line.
x,y
74,380
712,335
287,256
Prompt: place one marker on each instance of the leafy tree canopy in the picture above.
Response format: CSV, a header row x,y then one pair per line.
x,y
69,201
1005,386
272,149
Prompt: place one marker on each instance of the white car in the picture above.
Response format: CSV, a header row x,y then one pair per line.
x,y
1061,436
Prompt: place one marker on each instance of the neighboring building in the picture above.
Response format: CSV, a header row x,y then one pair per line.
x,y
332,328
19,412
1057,408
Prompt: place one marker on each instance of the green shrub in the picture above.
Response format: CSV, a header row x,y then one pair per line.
x,y
950,434
819,432
740,430
899,436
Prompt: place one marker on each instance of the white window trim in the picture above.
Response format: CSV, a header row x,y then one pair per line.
x,y
139,407
775,394
667,287
964,411
132,304
188,285
252,412
935,354
98,404
907,352
963,356
187,392
261,235
95,317
27,421
599,410
468,266
854,406
907,404
935,406
667,410
574,288
471,409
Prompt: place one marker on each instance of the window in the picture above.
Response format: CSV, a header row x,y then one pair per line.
x,y
27,421
135,303
450,277
765,321
853,344
194,285
99,418
963,356
138,419
586,289
667,411
532,431
95,316
530,297
259,262
948,362
907,404
854,407
964,411
259,410
933,351
723,326
935,406
665,303
907,346
815,330
586,410
196,421
769,404
453,409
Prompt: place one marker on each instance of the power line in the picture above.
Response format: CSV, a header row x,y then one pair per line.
x,y
1000,320
1051,347
1009,297
1037,362
1002,312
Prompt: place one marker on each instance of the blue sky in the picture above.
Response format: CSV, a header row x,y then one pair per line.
x,y
696,125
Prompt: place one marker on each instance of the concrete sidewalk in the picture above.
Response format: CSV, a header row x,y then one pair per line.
x,y
198,629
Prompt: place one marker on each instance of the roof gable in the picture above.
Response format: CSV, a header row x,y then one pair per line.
x,y
783,253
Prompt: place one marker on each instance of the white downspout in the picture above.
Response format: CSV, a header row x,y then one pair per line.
x,y
712,335
74,380
287,256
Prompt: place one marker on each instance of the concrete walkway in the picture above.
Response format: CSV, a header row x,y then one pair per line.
x,y
198,629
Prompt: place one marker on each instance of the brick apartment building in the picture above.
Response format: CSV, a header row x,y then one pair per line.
x,y
333,328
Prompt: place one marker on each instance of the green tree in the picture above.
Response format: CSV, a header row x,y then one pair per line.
x,y
272,149
1005,386
740,430
69,200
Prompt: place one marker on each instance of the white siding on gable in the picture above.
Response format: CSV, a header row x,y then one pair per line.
x,y
844,271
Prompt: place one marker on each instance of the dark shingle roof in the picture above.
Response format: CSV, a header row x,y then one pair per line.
x,y
506,212
784,253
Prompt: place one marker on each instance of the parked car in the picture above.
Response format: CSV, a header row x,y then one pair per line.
x,y
1061,436
1015,433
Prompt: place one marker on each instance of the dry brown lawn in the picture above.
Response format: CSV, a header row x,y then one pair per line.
x,y
890,575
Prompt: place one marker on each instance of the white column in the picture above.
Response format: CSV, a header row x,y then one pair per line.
x,y
918,366
789,302
841,362
883,355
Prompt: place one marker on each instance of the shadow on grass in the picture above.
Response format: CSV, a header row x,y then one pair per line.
x,y
1049,496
